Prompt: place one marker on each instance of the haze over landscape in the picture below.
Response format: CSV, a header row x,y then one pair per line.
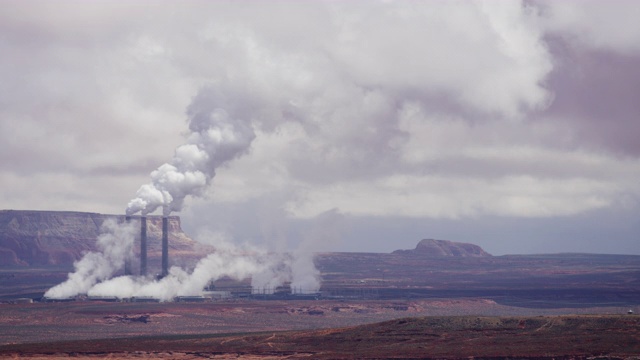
x,y
355,126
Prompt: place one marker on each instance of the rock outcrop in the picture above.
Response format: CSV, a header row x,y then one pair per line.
x,y
32,238
444,248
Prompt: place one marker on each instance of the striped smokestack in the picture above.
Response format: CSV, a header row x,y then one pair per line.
x,y
165,246
143,246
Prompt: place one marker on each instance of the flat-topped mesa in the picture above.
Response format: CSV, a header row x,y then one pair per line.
x,y
31,238
445,248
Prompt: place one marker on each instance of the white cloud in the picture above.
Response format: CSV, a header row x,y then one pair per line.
x,y
432,109
455,197
485,55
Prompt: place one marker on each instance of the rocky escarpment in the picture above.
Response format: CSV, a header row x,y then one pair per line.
x,y
443,248
31,238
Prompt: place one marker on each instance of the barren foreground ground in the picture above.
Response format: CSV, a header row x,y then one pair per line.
x,y
313,329
566,306
564,337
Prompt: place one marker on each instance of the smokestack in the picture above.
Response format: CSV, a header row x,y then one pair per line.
x,y
143,246
127,261
165,246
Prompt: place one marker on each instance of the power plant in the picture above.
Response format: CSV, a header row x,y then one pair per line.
x,y
119,255
143,247
165,246
127,261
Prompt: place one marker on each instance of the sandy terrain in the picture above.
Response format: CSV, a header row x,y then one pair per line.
x,y
27,323
454,337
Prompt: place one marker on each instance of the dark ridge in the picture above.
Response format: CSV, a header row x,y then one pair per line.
x,y
445,248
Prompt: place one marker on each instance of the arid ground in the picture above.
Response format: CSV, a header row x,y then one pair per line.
x,y
433,328
370,306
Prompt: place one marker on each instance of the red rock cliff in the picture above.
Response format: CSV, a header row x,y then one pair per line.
x,y
61,237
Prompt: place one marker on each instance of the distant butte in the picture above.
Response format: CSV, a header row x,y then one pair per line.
x,y
445,248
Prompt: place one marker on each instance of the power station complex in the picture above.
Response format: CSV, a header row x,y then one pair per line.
x,y
143,246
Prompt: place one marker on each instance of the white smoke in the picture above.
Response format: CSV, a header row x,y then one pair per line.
x,y
114,244
219,132
179,282
94,272
305,277
267,270
296,269
221,129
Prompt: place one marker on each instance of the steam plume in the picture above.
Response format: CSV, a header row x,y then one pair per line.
x,y
229,260
220,130
114,244
179,282
297,269
94,272
218,135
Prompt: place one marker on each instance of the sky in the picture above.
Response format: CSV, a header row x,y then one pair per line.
x,y
373,124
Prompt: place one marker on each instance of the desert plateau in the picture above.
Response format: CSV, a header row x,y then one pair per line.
x,y
441,300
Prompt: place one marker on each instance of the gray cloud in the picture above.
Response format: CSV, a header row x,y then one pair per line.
x,y
595,97
451,111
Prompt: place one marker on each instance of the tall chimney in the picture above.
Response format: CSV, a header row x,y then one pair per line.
x,y
143,246
165,246
127,261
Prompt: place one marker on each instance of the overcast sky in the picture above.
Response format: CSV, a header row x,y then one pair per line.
x,y
511,125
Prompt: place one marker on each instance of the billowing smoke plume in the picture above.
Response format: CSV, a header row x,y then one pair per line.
x,y
220,131
297,269
94,272
114,244
236,262
224,262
